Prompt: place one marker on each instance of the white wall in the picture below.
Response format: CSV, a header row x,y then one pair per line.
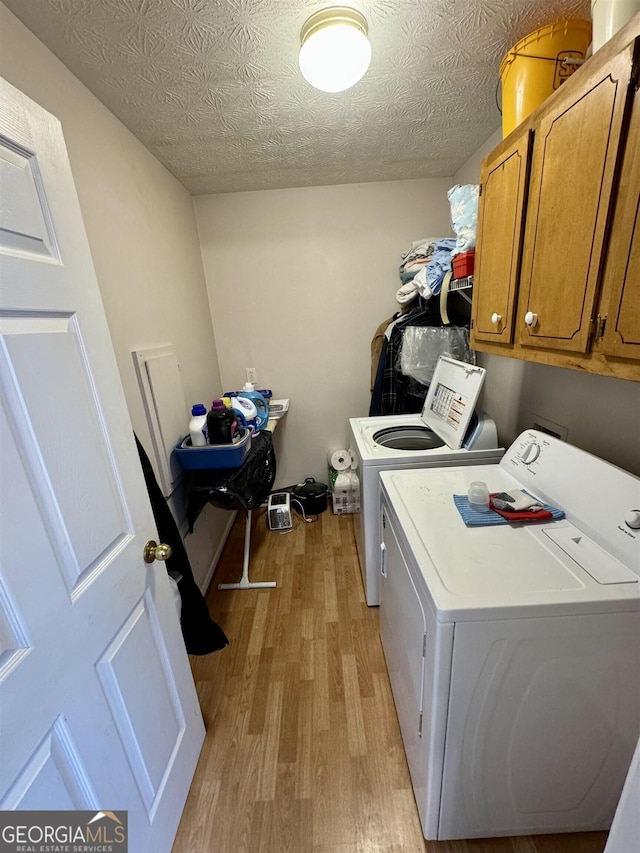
x,y
142,232
601,414
298,282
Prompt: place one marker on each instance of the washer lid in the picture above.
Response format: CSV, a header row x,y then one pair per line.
x,y
453,394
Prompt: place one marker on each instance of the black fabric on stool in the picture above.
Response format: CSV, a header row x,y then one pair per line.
x,y
242,488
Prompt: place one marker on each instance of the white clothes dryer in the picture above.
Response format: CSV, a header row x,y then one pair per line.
x,y
513,649
450,431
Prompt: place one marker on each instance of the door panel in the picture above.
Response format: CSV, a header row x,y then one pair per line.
x,y
622,270
543,720
87,517
151,723
417,651
500,228
402,632
54,775
99,708
25,224
14,638
572,176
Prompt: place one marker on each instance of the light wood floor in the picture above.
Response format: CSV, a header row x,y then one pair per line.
x,y
303,751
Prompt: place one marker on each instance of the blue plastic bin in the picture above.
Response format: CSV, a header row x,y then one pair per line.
x,y
213,456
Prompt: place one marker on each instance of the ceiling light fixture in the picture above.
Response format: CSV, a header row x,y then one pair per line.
x,y
335,51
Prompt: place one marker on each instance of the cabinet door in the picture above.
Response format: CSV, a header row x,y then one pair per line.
x,y
572,176
500,226
621,283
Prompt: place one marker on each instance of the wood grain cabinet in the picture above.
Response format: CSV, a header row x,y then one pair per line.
x,y
619,320
558,253
504,180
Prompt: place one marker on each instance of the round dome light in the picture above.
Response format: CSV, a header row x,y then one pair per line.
x,y
335,51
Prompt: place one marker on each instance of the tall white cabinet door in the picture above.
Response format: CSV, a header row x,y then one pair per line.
x,y
99,709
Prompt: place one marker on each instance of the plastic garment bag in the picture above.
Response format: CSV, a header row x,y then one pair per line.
x,y
423,345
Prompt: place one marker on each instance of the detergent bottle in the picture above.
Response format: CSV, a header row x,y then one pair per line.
x,y
249,392
221,423
198,425
246,412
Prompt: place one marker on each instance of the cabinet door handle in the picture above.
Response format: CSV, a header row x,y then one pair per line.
x,y
531,319
383,559
496,318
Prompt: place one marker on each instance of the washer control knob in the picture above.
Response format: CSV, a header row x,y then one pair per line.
x,y
531,319
530,453
632,519
496,318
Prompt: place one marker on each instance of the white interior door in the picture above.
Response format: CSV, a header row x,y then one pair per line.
x,y
98,706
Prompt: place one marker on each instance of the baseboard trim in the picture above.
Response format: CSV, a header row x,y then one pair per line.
x,y
216,556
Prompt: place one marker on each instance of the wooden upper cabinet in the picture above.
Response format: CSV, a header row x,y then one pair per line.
x,y
620,311
500,224
572,179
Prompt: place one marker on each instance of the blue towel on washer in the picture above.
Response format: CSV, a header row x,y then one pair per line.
x,y
475,518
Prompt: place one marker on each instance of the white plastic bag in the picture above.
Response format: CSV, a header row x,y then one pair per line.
x,y
463,200
422,346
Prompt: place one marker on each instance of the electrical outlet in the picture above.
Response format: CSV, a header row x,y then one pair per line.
x,y
252,375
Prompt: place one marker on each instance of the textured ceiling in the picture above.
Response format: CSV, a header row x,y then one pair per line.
x,y
212,87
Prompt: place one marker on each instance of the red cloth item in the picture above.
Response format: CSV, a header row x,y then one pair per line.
x,y
522,515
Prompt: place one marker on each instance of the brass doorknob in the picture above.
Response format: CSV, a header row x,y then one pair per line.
x,y
153,551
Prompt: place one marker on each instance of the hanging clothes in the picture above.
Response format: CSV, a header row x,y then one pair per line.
x,y
402,394
376,348
375,407
201,634
425,266
383,330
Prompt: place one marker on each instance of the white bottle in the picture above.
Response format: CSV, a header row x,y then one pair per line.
x,y
198,425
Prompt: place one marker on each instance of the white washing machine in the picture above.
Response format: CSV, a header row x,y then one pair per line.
x,y
513,650
450,431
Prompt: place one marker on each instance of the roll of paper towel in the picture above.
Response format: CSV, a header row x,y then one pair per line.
x,y
339,460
